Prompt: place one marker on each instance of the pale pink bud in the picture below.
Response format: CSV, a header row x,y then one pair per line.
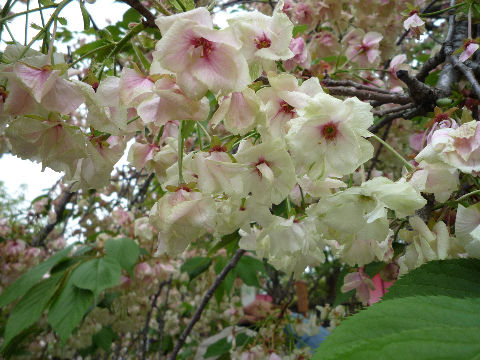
x,y
469,50
16,247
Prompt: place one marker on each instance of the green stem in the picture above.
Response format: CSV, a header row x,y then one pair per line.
x,y
460,199
205,131
443,10
394,152
132,120
87,54
289,207
26,22
199,136
10,33
303,198
180,152
119,46
55,14
161,9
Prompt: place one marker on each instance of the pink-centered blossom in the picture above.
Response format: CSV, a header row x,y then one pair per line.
x,y
363,48
414,23
202,58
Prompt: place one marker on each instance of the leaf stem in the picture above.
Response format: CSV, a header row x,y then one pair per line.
x,y
180,152
394,152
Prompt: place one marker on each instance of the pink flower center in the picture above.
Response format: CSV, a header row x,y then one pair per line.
x,y
287,108
329,131
3,94
259,162
262,42
206,45
218,148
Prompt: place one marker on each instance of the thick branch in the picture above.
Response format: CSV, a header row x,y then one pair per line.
x,y
467,72
380,98
231,264
396,109
327,82
422,94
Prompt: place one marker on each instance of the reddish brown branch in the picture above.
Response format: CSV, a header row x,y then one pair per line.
x,y
231,264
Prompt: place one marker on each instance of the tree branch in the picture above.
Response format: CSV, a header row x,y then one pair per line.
x,y
431,64
231,264
389,118
327,82
379,98
467,72
137,5
59,209
149,316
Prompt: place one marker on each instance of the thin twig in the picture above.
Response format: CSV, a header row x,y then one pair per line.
x,y
408,114
381,113
231,264
149,316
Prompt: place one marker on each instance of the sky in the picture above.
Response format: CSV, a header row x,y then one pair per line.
x,y
14,171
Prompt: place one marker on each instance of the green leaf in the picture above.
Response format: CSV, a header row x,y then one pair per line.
x,y
189,4
36,27
374,268
30,307
82,50
432,312
218,348
177,4
104,338
46,2
97,275
86,18
299,29
243,339
26,281
423,327
195,266
62,20
68,309
247,269
126,251
455,278
106,35
224,241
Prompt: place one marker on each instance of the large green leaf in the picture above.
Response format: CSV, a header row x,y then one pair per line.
x,y
33,276
125,251
30,307
195,266
424,327
97,275
457,278
248,268
431,313
68,309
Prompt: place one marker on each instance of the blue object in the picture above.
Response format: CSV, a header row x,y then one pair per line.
x,y
313,341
